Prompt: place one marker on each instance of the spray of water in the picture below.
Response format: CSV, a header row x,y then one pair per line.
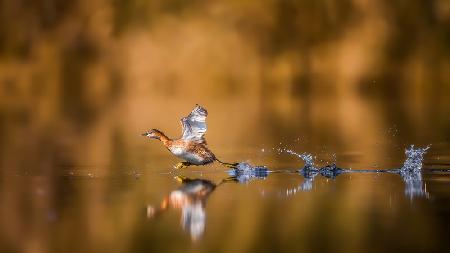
x,y
411,172
245,172
414,159
306,157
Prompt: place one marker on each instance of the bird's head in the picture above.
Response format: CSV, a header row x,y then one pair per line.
x,y
153,134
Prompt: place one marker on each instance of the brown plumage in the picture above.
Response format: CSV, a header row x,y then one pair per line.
x,y
192,145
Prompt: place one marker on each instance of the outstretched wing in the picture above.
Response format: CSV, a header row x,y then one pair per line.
x,y
194,125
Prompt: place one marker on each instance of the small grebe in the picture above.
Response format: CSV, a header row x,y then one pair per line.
x,y
192,145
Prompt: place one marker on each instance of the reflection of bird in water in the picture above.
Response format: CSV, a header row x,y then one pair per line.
x,y
191,199
192,145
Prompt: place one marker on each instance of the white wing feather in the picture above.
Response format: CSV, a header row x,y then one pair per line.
x,y
194,125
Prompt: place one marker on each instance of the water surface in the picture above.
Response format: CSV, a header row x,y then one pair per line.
x,y
305,207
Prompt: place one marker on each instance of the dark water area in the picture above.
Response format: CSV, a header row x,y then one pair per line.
x,y
318,101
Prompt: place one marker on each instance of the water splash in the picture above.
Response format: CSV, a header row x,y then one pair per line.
x,y
306,157
309,171
411,172
414,159
331,171
245,172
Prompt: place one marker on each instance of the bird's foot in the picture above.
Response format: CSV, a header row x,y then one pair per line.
x,y
229,179
182,165
181,179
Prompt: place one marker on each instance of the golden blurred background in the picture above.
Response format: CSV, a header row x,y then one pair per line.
x,y
80,80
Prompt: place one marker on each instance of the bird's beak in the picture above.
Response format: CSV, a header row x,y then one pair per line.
x,y
145,134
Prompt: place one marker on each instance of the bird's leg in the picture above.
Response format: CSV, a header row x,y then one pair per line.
x,y
182,165
230,165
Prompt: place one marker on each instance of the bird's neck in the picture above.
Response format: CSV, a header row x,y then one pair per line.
x,y
164,139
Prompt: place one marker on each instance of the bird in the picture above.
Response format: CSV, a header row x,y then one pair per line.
x,y
191,146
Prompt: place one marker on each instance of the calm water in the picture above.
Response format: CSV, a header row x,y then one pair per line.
x,y
305,207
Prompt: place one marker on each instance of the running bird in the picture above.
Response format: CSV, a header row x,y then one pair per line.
x,y
191,147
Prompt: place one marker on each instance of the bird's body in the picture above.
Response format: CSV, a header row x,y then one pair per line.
x,y
194,153
191,147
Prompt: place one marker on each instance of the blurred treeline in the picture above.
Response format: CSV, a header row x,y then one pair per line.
x,y
74,70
